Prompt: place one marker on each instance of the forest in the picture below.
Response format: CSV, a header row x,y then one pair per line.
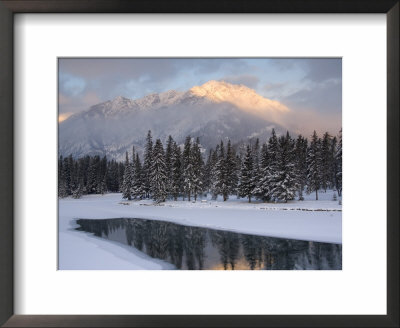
x,y
279,169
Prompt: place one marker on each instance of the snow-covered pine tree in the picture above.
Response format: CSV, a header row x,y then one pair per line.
x,y
197,163
147,163
138,191
246,185
220,178
260,182
176,165
71,179
158,173
121,168
338,161
92,174
78,192
268,177
112,176
103,185
67,176
168,164
314,165
60,168
326,161
257,174
214,173
127,182
230,174
301,163
188,174
207,172
132,167
188,168
333,168
74,174
62,184
285,185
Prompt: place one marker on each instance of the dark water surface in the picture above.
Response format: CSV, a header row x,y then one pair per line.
x,y
195,248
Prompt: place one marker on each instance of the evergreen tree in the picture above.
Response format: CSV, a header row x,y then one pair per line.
x,y
314,165
127,182
230,174
326,161
332,160
285,185
112,176
62,184
214,173
147,164
260,182
257,169
103,185
197,163
67,176
207,172
168,163
158,176
301,163
138,191
92,179
246,186
338,161
268,177
220,179
188,170
78,192
238,168
70,174
176,164
121,168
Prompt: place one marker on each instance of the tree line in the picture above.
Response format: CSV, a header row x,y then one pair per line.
x,y
278,170
88,175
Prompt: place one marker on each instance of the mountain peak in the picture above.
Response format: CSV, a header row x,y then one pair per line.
x,y
119,100
238,95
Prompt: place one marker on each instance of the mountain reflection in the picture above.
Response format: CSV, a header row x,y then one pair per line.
x,y
195,248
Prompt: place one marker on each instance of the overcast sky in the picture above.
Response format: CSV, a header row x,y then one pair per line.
x,y
310,88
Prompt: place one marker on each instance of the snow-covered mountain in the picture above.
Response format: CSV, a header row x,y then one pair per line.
x,y
213,111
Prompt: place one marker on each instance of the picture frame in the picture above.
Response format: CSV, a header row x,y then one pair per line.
x,y
7,202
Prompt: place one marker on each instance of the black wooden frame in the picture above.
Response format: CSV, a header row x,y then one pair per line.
x,y
7,10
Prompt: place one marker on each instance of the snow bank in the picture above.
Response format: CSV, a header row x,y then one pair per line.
x,y
307,220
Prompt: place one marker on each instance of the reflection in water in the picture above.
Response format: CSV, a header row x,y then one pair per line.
x,y
194,248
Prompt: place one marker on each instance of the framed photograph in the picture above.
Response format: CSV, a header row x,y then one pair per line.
x,y
197,169
152,162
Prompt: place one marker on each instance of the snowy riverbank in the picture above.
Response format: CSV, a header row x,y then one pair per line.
x,y
307,220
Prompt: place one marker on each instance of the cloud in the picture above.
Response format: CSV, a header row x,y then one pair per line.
x,y
323,69
71,85
320,97
70,104
248,80
314,69
307,121
273,86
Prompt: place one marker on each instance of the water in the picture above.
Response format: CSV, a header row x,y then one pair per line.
x,y
195,248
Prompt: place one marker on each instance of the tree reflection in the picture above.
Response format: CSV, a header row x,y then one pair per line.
x,y
194,248
228,245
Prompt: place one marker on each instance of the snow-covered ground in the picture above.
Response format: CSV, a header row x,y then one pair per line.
x,y
306,220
